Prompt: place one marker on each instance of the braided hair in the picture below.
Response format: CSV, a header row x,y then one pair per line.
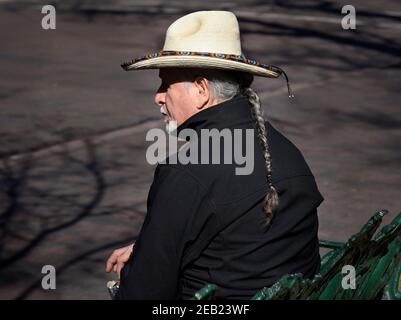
x,y
271,200
225,85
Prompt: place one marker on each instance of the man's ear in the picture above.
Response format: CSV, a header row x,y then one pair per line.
x,y
203,91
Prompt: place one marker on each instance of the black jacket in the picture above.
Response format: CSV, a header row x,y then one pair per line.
x,y
205,223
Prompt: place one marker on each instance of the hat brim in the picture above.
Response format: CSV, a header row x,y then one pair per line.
x,y
202,60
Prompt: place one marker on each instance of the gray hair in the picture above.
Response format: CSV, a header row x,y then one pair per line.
x,y
224,86
271,200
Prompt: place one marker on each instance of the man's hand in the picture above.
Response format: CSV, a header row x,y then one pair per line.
x,y
118,258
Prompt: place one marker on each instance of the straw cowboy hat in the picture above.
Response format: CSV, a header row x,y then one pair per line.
x,y
204,39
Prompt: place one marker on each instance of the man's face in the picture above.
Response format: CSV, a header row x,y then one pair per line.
x,y
176,97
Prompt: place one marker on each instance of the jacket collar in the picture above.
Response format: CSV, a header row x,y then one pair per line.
x,y
230,113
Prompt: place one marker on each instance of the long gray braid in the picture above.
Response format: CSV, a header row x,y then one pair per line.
x,y
225,85
271,200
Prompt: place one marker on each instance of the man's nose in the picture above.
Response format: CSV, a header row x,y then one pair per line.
x,y
160,98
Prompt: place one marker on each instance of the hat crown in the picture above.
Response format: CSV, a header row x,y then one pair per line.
x,y
205,31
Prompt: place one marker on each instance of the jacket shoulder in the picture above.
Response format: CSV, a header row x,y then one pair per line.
x,y
287,160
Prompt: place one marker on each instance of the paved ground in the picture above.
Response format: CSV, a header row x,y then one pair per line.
x,y
73,172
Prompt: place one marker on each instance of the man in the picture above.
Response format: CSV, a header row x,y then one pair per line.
x,y
206,223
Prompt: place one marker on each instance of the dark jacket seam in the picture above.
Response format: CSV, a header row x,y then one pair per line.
x,y
209,199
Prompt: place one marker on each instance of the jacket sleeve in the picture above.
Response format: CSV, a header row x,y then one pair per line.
x,y
178,210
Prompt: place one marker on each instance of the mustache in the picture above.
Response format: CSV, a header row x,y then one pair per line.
x,y
163,110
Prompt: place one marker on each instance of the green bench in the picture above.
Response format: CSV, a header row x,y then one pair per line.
x,y
376,258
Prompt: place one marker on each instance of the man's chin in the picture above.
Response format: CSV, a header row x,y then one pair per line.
x,y
171,127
